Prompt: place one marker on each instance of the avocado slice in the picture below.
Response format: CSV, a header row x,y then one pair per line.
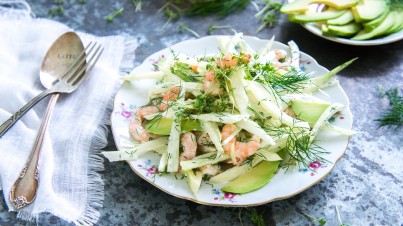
x,y
316,16
162,126
253,179
345,18
382,29
309,111
398,24
368,10
301,6
371,25
347,30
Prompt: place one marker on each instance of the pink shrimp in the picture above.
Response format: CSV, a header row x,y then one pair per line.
x,y
280,59
226,131
189,144
245,149
242,149
227,62
211,85
171,95
136,128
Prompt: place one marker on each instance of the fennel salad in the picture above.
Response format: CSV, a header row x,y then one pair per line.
x,y
233,118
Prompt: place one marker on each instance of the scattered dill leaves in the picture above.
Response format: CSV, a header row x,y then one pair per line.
x,y
394,115
116,13
183,27
212,28
56,11
185,72
208,7
137,5
320,221
269,15
257,219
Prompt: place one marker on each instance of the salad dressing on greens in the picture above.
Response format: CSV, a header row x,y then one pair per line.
x,y
243,110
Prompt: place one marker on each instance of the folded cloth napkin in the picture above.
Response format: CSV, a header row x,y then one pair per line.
x,y
70,186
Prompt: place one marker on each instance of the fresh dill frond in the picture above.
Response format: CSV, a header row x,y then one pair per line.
x,y
221,8
302,150
394,115
56,11
320,221
291,81
205,103
171,11
183,27
137,5
257,219
116,13
269,15
213,27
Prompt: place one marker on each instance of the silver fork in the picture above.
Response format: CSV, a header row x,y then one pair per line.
x,y
65,84
24,189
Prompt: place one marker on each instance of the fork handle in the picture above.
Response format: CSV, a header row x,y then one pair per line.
x,y
24,189
17,115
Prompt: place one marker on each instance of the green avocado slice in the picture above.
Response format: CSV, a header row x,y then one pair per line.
x,y
308,111
316,16
301,6
254,179
382,29
345,18
162,126
347,30
368,10
371,25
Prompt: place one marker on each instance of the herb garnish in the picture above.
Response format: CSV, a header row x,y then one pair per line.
x,y
394,115
116,13
268,16
186,28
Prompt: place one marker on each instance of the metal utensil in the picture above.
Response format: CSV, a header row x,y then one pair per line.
x,y
55,64
24,189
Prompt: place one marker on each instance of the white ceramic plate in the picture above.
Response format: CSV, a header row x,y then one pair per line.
x,y
373,42
283,185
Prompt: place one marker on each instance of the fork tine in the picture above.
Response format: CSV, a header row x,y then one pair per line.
x,y
80,59
88,68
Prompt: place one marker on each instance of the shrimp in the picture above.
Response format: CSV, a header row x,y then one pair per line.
x,y
211,85
136,128
171,95
246,149
280,59
226,131
189,144
227,62
242,149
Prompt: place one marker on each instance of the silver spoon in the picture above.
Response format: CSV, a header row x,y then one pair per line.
x,y
58,60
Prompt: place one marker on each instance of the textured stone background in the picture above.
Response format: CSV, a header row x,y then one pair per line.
x,y
366,184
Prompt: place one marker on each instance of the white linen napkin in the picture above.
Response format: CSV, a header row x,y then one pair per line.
x,y
69,186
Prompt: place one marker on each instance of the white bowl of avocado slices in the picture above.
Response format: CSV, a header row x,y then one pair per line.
x,y
354,22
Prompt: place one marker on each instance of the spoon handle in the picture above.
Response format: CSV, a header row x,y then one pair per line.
x,y
24,189
17,115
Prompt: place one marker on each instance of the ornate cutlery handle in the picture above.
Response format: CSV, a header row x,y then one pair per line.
x,y
17,115
24,189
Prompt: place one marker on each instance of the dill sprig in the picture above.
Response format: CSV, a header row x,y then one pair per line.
x,y
208,7
302,150
291,81
137,5
394,115
213,27
183,27
320,221
205,103
268,16
112,16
